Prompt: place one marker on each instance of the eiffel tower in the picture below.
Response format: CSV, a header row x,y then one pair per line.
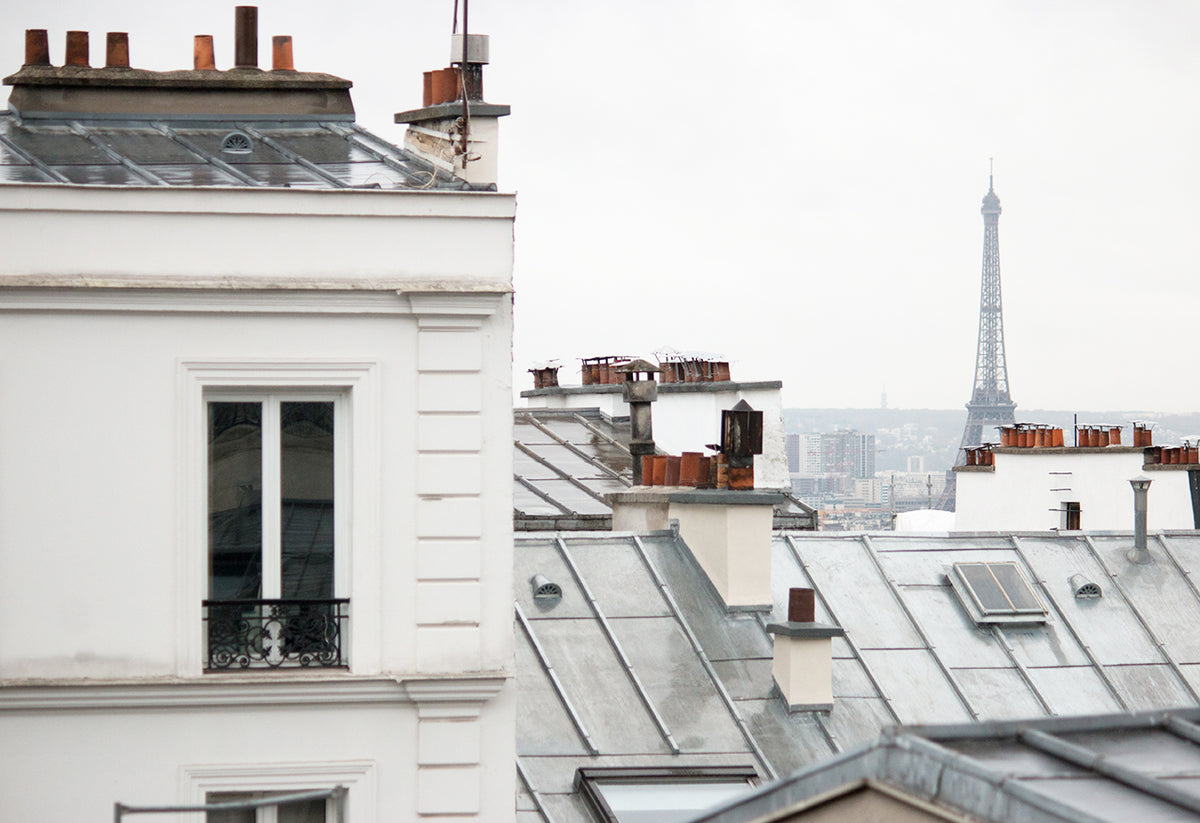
x,y
991,404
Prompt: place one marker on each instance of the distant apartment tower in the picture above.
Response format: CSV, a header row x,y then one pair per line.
x,y
792,446
848,453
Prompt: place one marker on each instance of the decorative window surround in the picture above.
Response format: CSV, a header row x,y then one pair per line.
x,y
358,776
359,380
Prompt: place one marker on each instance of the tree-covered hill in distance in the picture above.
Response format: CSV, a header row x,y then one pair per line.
x,y
935,433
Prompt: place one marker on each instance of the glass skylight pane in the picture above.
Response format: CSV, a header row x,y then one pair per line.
x,y
987,592
665,802
1018,591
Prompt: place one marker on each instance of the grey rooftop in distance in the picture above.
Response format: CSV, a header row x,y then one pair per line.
x,y
1121,767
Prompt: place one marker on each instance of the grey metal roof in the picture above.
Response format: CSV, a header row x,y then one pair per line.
x,y
614,673
301,153
566,460
1121,767
911,654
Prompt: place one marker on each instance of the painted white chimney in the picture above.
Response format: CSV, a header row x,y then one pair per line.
x,y
729,533
803,666
455,129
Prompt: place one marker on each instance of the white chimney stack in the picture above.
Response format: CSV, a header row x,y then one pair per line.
x,y
455,129
803,667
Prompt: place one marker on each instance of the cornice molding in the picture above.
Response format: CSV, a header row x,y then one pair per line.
x,y
229,691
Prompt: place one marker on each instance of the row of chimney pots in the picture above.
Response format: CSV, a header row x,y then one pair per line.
x,y
1033,436
1024,435
605,371
694,470
116,53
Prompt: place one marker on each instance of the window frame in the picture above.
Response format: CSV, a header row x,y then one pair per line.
x,y
357,383
272,537
357,776
984,615
589,780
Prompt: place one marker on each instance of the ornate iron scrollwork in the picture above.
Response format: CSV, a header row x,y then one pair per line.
x,y
255,634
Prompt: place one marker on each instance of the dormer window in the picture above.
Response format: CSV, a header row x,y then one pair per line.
x,y
996,593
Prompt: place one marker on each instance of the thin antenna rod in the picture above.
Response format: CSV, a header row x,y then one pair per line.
x,y
462,78
454,25
989,166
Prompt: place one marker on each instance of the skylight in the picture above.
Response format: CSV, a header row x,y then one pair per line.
x,y
996,593
660,795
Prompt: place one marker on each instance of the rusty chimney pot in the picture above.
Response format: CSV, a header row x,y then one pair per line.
x,y
116,51
245,42
281,53
37,47
427,89
77,49
802,606
202,53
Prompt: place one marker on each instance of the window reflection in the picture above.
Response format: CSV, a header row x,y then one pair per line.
x,y
235,501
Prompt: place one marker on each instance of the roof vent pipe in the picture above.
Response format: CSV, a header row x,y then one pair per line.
x,y
37,47
202,53
1139,554
245,33
116,51
639,393
77,49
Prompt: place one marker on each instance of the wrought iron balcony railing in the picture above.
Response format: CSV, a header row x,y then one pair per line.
x,y
262,634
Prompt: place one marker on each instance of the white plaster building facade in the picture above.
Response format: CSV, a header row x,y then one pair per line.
x,y
363,338
1035,489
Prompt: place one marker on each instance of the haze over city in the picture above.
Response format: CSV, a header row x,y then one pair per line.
x,y
797,185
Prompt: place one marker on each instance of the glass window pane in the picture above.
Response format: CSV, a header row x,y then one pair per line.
x,y
235,501
308,811
665,802
306,487
987,591
1018,591
230,815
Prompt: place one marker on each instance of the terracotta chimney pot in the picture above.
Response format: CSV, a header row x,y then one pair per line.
x,y
116,51
37,47
77,49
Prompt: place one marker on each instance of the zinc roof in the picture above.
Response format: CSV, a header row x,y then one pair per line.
x,y
308,153
1114,767
911,653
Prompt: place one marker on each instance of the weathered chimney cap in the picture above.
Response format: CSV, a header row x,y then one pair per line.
x,y
639,366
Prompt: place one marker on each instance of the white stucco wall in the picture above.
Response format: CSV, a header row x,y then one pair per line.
x,y
1028,487
689,419
104,365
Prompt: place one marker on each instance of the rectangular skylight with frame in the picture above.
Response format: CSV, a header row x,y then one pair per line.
x,y
996,593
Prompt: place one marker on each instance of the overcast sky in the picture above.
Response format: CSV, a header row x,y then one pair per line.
x,y
796,185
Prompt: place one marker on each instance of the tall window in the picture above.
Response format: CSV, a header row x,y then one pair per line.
x,y
272,477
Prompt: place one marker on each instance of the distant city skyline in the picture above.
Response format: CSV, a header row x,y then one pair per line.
x,y
797,185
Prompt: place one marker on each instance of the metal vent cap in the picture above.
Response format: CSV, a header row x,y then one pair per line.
x,y
237,142
1084,589
545,592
